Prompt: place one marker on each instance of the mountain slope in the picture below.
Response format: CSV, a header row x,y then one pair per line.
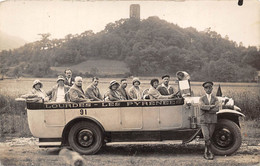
x,y
9,42
149,47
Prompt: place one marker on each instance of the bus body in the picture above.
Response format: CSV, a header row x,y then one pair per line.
x,y
87,126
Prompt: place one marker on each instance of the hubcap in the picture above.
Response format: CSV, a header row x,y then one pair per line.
x,y
85,138
223,138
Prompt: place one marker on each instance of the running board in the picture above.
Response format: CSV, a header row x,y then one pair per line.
x,y
49,142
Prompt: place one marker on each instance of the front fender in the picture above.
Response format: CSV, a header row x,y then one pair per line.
x,y
229,111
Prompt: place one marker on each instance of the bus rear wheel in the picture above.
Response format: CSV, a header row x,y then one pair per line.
x,y
85,137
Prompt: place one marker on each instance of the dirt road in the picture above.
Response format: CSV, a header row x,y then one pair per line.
x,y
24,151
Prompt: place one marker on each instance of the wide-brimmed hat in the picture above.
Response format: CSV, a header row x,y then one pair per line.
x,y
60,77
207,84
113,82
35,82
135,79
182,75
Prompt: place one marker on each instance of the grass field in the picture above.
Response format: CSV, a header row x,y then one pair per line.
x,y
13,120
104,67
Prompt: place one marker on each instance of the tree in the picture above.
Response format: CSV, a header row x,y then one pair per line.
x,y
3,71
252,57
150,46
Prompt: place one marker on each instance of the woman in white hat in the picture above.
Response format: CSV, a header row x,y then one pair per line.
x,y
135,92
182,75
37,92
58,92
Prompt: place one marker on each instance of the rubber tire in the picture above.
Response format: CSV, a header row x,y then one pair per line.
x,y
235,130
97,135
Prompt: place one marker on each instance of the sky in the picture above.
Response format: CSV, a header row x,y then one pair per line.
x,y
27,19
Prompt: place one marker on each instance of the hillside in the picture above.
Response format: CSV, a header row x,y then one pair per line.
x,y
149,47
9,42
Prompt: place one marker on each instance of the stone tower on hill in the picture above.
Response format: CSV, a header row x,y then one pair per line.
x,y
135,11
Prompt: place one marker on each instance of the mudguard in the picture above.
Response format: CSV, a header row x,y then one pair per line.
x,y
223,111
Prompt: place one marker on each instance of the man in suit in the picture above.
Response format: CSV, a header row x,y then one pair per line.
x,y
209,106
165,88
76,94
92,91
122,89
69,80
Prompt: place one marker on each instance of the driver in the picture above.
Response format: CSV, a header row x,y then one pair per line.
x,y
209,105
154,93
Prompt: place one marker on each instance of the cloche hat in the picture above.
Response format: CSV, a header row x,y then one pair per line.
x,y
35,82
113,82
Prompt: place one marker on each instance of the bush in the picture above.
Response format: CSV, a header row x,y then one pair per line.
x,y
13,121
249,104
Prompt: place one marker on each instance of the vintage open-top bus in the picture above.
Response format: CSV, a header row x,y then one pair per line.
x,y
86,126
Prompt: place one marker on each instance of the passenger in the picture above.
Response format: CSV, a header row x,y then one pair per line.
x,y
58,92
122,89
182,75
165,88
209,106
69,80
154,93
135,92
76,93
92,91
113,94
36,92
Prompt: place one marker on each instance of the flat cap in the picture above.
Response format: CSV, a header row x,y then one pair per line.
x,y
207,83
165,76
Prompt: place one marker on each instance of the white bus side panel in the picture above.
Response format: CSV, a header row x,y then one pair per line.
x,y
109,118
38,126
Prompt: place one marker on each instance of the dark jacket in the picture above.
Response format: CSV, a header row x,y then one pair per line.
x,y
76,94
53,93
113,95
155,94
164,91
124,93
93,93
208,109
69,83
